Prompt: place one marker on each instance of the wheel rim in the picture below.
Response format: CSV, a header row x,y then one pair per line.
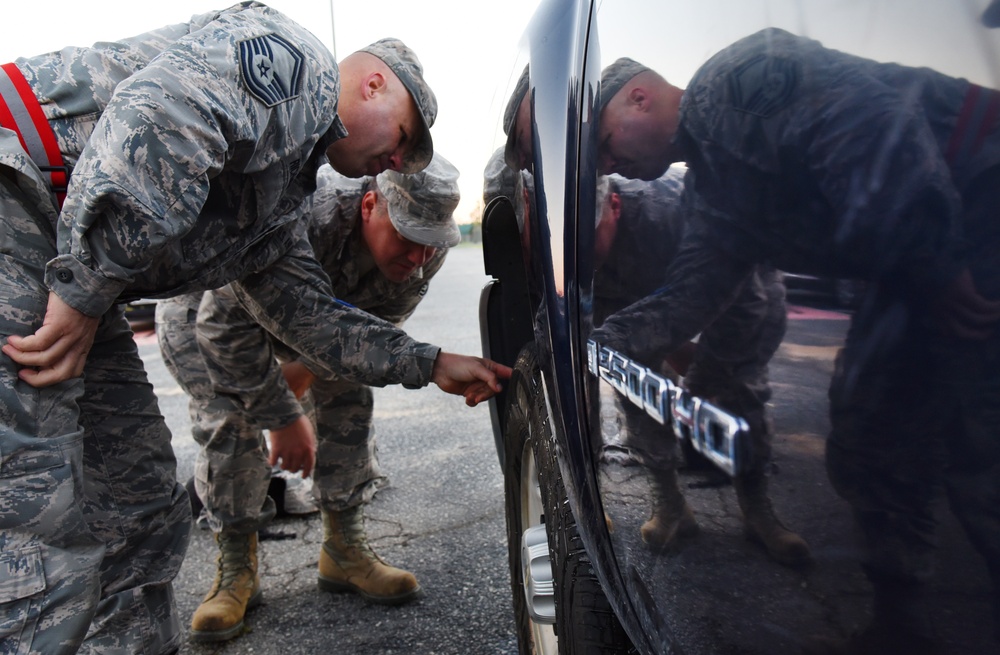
x,y
543,635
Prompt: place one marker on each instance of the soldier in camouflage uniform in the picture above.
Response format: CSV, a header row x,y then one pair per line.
x,y
191,147
642,222
639,228
826,163
380,240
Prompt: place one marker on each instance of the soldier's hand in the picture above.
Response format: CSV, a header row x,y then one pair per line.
x,y
58,350
476,378
961,311
681,359
298,377
294,446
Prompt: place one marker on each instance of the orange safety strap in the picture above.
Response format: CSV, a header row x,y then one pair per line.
x,y
20,112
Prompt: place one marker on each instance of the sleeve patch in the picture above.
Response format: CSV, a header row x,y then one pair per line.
x,y
271,68
763,85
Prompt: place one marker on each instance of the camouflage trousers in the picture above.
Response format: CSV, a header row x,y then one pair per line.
x,y
729,369
916,417
93,525
232,472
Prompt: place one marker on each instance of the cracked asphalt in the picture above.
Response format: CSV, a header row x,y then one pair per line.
x,y
441,516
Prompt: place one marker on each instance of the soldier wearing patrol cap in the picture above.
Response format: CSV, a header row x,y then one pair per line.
x,y
637,236
191,149
642,222
821,162
380,240
517,125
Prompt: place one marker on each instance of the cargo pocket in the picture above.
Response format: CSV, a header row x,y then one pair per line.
x,y
22,583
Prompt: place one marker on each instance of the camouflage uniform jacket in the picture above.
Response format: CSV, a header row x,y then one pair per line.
x,y
334,232
168,196
333,217
650,230
815,161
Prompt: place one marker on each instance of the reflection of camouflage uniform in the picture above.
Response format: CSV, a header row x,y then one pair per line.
x,y
94,526
232,470
499,179
730,364
828,163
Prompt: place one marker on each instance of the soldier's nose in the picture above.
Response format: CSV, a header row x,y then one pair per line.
x,y
396,161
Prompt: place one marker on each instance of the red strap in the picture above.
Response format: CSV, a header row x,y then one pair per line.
x,y
50,159
976,119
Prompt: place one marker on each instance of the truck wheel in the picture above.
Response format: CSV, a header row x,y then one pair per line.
x,y
559,605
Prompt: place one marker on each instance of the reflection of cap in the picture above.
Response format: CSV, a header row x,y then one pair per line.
x,y
510,115
421,204
499,179
404,63
615,76
991,15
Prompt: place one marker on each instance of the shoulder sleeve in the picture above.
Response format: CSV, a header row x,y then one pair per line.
x,y
172,128
292,300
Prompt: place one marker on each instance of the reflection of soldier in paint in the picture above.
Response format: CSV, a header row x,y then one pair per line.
x,y
855,169
639,229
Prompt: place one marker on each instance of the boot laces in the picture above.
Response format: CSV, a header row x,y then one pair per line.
x,y
234,558
352,527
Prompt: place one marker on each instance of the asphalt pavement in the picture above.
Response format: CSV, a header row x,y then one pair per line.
x,y
441,516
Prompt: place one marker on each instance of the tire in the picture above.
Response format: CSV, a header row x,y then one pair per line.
x,y
585,624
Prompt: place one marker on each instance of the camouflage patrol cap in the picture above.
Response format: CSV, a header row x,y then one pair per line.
x,y
615,76
422,204
509,115
404,63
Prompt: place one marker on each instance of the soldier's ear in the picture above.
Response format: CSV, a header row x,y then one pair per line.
x,y
616,206
638,98
368,203
375,83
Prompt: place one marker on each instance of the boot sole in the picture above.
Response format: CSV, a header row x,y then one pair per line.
x,y
683,533
210,636
801,560
333,587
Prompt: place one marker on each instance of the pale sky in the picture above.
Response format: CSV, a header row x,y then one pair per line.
x,y
467,49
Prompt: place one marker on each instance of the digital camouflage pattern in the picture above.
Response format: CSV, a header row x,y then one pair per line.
x,y
93,526
730,364
235,380
499,179
821,162
214,220
422,205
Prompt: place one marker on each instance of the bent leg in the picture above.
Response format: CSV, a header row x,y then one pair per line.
x,y
231,469
347,468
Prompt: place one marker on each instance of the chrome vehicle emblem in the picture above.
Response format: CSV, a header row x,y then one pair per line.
x,y
715,433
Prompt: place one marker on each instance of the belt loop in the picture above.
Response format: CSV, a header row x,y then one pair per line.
x,y
20,112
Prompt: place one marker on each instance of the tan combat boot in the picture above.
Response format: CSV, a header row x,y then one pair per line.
x,y
762,526
671,517
347,562
236,589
